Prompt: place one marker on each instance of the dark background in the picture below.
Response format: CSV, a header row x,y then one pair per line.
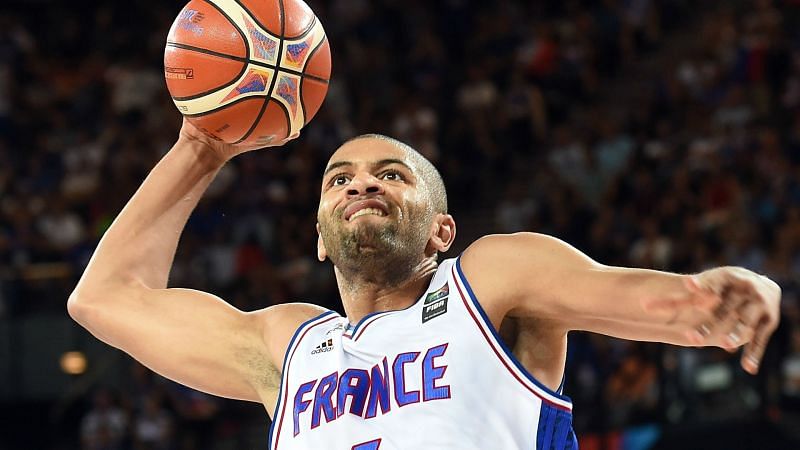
x,y
651,133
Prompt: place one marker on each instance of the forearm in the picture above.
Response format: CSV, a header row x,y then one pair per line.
x,y
614,301
534,275
140,245
645,331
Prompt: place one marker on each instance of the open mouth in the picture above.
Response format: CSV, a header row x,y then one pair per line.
x,y
366,207
366,212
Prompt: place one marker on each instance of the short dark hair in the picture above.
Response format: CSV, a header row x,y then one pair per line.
x,y
432,178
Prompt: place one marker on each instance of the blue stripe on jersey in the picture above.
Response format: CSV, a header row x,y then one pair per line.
x,y
499,340
555,429
544,435
283,372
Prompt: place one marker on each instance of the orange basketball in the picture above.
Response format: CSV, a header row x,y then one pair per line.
x,y
247,71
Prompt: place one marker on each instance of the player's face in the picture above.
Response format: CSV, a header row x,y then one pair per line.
x,y
373,205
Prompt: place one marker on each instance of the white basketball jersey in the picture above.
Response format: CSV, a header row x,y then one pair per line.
x,y
432,376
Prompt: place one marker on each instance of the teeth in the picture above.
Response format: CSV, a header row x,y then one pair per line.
x,y
365,211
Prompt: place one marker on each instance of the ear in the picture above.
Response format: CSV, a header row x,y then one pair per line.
x,y
443,233
321,252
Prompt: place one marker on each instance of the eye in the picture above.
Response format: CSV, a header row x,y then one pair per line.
x,y
392,175
339,180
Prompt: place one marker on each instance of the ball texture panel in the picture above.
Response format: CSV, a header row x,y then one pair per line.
x,y
191,73
201,25
319,63
312,93
225,124
272,126
298,19
267,14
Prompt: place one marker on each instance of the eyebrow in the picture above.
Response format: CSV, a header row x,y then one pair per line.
x,y
380,163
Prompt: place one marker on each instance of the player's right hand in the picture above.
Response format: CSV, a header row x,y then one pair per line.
x,y
728,307
747,314
223,150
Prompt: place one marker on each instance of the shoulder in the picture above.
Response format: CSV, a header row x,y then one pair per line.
x,y
494,266
501,241
284,319
507,269
291,312
280,322
502,249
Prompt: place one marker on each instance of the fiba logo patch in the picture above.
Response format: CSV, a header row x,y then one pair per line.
x,y
324,347
435,303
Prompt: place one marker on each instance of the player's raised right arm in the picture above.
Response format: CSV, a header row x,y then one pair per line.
x,y
191,337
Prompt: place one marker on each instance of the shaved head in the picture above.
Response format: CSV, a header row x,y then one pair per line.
x,y
437,194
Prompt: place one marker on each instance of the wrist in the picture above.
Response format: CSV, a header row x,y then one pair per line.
x,y
204,152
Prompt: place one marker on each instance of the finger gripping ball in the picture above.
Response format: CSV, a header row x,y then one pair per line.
x,y
247,71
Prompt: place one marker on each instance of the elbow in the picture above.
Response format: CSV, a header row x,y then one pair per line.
x,y
87,313
80,307
76,307
90,295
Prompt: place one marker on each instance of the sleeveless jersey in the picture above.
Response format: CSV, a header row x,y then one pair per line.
x,y
433,376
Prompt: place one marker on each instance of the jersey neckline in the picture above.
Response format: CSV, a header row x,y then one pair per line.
x,y
353,329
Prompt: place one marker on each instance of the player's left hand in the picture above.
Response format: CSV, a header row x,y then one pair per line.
x,y
729,307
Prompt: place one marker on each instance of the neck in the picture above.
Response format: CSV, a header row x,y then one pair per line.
x,y
366,292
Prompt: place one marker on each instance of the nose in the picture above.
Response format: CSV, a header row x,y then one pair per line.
x,y
363,184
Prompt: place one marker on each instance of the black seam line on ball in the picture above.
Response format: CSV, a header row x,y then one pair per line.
x,y
303,73
239,30
275,75
246,61
238,100
311,77
305,32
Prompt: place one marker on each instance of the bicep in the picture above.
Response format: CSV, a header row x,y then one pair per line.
x,y
188,336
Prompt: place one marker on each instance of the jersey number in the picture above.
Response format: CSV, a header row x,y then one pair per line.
x,y
371,445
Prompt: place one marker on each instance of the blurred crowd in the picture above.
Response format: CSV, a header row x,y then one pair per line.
x,y
652,133
151,413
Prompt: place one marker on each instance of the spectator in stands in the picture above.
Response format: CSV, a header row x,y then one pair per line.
x,y
105,426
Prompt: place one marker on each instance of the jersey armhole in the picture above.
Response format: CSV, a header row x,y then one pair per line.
x,y
502,351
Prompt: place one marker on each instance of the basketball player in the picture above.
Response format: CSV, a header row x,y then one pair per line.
x,y
418,362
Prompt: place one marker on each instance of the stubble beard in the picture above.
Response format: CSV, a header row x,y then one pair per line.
x,y
383,253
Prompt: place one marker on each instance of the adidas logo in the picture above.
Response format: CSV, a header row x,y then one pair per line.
x,y
326,346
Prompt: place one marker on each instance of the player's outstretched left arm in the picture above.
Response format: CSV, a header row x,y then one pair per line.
x,y
544,277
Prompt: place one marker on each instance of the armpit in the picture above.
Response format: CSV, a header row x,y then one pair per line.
x,y
264,374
